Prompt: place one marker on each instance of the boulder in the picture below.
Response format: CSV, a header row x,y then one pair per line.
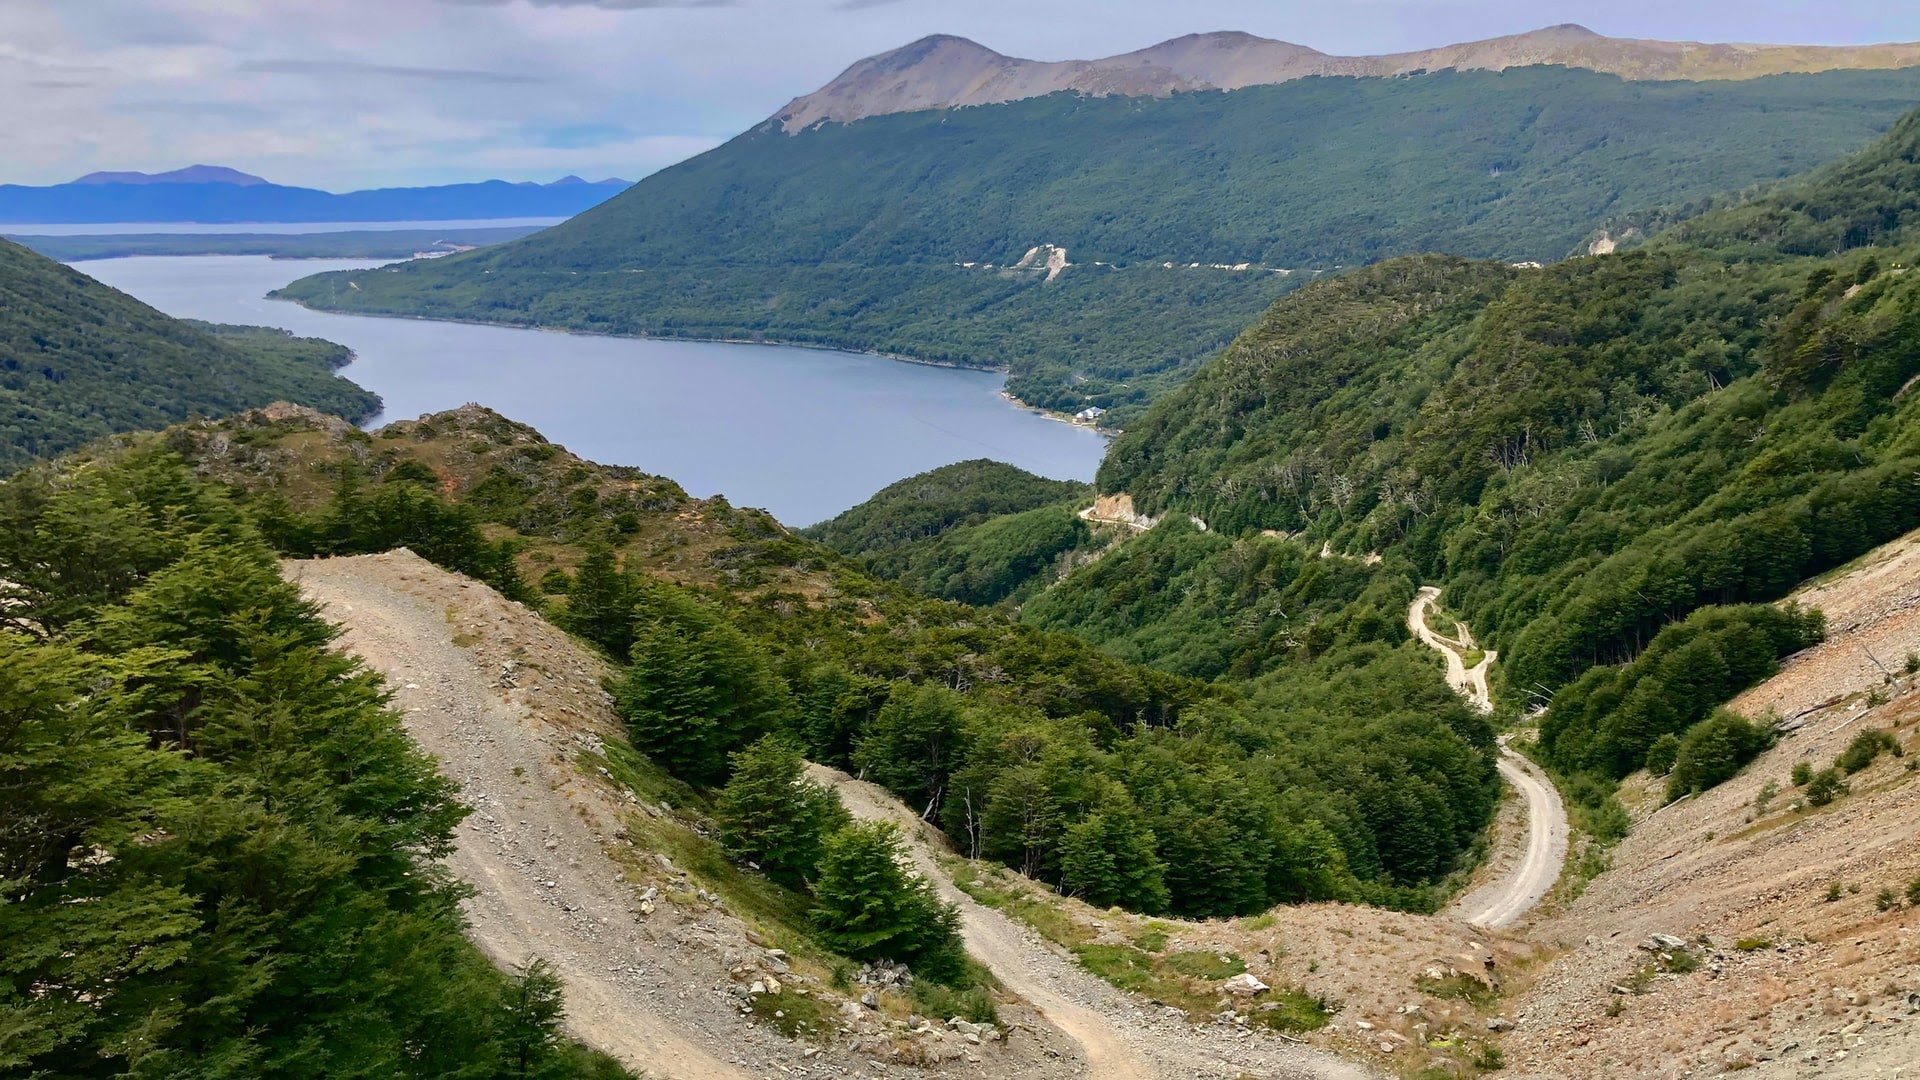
x,y
1245,985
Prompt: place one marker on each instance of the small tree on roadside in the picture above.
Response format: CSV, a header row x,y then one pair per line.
x,y
531,1006
698,689
771,815
870,907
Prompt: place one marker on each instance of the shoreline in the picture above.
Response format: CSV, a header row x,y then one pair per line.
x,y
1059,417
502,324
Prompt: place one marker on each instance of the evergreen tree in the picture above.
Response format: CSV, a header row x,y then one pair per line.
x,y
912,745
771,815
530,1013
218,847
869,906
698,689
600,602
1713,750
1108,858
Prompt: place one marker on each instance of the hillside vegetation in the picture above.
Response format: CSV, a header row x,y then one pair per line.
x,y
975,531
1107,779
220,852
856,235
1609,461
79,360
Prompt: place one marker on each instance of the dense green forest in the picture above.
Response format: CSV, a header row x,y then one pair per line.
x,y
79,360
855,235
976,531
1608,462
218,848
1034,747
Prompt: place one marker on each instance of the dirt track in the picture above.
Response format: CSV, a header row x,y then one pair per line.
x,y
543,886
1512,894
1121,1040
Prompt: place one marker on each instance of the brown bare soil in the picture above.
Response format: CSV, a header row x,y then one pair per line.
x,y
1789,982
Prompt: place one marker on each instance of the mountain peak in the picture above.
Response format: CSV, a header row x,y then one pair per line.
x,y
192,174
945,72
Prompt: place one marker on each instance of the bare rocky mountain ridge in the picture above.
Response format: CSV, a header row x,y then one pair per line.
x,y
943,72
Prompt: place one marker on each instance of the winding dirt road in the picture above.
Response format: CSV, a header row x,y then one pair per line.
x,y
542,884
1511,894
1122,1040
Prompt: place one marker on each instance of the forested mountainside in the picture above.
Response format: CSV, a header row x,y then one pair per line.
x,y
974,531
1609,463
1113,781
925,234
219,848
79,360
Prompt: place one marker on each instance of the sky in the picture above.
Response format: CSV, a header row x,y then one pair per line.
x,y
347,94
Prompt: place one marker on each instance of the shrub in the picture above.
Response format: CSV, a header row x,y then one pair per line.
x,y
1864,748
1824,787
1662,754
1913,892
1802,772
1886,900
1713,751
973,1004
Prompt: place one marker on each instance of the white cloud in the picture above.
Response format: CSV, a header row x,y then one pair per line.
x,y
362,93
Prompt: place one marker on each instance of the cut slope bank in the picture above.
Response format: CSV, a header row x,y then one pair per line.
x,y
1805,969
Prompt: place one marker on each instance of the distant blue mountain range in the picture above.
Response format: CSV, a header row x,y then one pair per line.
x,y
212,194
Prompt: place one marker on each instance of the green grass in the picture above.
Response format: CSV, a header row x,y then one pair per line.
x,y
1212,966
1052,923
1458,987
793,1014
973,1003
1152,939
1139,973
1293,1010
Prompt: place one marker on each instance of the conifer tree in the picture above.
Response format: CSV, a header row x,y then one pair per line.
x,y
600,602
871,907
1108,857
698,689
912,745
771,815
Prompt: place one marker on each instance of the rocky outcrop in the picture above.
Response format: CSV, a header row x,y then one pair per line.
x,y
1117,510
943,72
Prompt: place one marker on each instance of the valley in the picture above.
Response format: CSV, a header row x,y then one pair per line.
x,y
1470,628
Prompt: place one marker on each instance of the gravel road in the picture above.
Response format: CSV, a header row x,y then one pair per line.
x,y
1123,1038
1501,901
543,885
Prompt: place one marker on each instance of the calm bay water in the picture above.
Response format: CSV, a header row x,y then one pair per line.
x,y
805,433
295,228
